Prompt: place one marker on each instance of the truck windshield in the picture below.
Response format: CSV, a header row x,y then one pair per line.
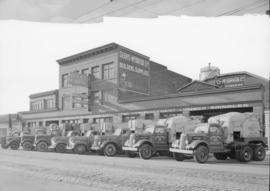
x,y
149,129
88,133
118,132
202,128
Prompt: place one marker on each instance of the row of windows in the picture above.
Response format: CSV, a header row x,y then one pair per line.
x,y
108,72
43,104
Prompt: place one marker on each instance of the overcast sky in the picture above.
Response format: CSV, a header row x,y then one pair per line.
x,y
28,51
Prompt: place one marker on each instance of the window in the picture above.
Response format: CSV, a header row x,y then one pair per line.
x,y
49,103
108,96
95,72
169,114
126,118
102,120
85,71
64,80
149,116
96,96
108,71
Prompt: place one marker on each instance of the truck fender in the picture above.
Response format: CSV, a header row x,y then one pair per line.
x,y
196,143
13,141
108,142
141,142
44,140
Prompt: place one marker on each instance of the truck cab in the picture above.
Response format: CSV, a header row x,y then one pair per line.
x,y
111,144
153,139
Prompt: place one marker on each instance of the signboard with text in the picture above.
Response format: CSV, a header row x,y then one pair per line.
x,y
134,75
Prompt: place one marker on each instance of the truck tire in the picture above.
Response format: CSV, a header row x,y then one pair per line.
x,y
14,146
80,149
201,154
131,154
27,146
259,153
42,146
178,156
60,148
110,150
145,151
245,154
220,156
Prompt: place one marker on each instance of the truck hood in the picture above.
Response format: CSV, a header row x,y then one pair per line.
x,y
60,139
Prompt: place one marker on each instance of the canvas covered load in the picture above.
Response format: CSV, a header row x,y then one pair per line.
x,y
246,123
178,124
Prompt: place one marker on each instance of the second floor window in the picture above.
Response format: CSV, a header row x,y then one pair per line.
x,y
64,80
95,72
108,71
85,71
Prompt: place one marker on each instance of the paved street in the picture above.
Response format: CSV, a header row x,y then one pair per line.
x,y
22,170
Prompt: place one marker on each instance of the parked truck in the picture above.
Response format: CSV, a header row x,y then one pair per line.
x,y
234,135
111,144
43,141
157,137
59,143
81,144
13,141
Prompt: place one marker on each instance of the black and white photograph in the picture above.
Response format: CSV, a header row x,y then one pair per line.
x,y
134,95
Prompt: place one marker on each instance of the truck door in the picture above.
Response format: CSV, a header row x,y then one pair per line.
x,y
160,138
216,137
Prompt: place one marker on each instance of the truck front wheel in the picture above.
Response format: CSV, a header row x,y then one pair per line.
x,y
259,153
246,154
201,154
178,156
60,148
80,149
110,150
27,146
14,146
42,146
145,151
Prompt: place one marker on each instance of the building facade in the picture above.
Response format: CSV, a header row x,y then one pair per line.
x,y
115,84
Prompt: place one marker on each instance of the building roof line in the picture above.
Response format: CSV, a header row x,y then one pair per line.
x,y
35,95
205,83
240,72
218,90
96,51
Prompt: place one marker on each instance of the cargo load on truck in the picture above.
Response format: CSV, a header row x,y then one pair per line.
x,y
237,125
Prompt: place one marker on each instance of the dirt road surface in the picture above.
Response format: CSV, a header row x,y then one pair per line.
x,y
22,170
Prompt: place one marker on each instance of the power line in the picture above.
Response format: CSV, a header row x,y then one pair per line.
x,y
187,6
109,12
93,10
143,8
250,9
241,8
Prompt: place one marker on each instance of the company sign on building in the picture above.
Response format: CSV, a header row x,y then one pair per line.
x,y
133,74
